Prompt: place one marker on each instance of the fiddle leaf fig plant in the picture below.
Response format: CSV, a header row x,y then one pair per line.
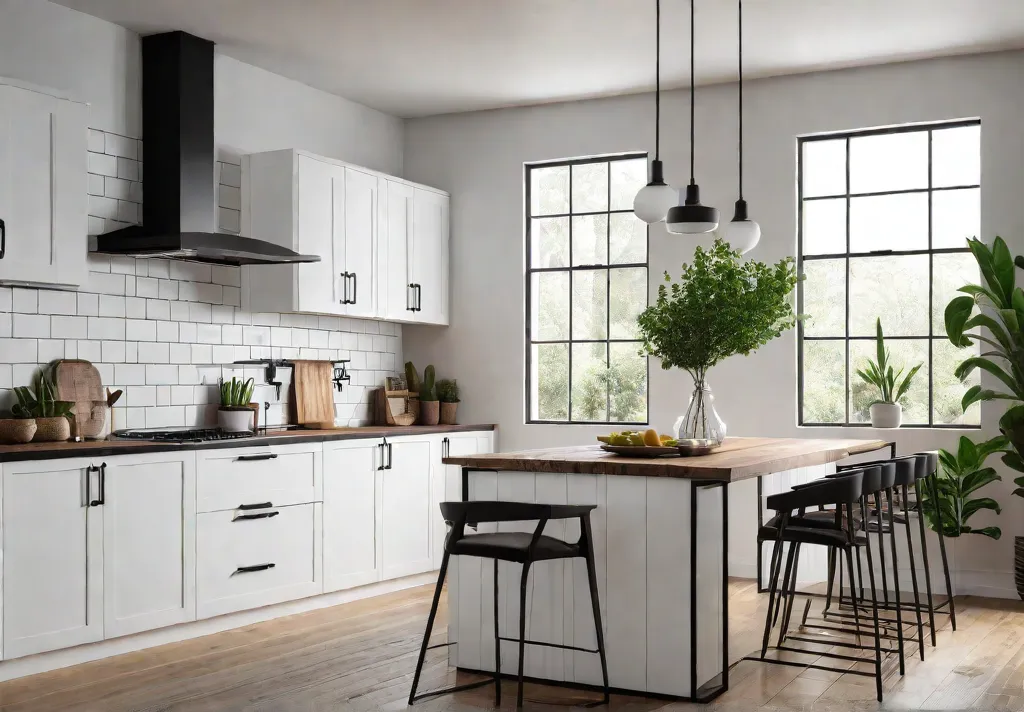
x,y
960,475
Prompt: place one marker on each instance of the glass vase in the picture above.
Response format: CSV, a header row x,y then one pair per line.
x,y
701,420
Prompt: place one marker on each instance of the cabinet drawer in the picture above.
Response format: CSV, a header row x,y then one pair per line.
x,y
251,558
280,476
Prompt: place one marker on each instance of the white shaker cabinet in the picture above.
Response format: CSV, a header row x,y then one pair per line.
x,y
355,246
52,556
405,508
352,501
429,257
149,544
43,195
398,294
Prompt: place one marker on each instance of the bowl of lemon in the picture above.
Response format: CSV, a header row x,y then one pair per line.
x,y
635,443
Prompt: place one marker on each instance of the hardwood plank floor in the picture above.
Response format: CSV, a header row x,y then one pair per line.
x,y
360,656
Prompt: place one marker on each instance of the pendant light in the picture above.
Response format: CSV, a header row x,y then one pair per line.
x,y
690,217
742,233
653,201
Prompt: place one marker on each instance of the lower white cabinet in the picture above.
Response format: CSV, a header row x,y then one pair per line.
x,y
447,481
351,511
405,507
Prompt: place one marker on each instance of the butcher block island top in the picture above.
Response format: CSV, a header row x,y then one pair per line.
x,y
737,459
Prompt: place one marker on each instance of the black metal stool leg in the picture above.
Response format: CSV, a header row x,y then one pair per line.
x,y
788,613
856,604
895,577
522,631
831,577
942,550
780,603
881,547
913,575
874,615
773,582
924,553
497,643
595,604
430,626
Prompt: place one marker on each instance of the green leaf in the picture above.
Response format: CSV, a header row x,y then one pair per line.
x,y
976,291
992,532
905,386
958,311
1002,267
1014,462
983,256
966,453
976,394
978,479
880,343
993,326
968,366
975,505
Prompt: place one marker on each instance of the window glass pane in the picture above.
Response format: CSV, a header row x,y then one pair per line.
x,y
549,190
549,399
628,177
948,389
903,354
589,187
897,161
628,298
590,304
590,381
956,156
590,240
824,382
949,273
824,229
889,222
956,216
627,383
549,302
824,168
549,242
894,288
824,292
628,239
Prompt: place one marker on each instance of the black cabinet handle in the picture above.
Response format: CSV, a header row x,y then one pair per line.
x,y
444,447
344,281
252,569
102,469
355,289
413,307
256,458
3,239
261,515
389,456
88,485
259,505
381,465
419,297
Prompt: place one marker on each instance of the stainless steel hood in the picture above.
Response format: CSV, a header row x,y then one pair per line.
x,y
179,212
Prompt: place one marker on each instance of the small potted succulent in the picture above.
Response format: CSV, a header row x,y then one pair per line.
x,y
234,414
886,411
39,404
448,395
429,405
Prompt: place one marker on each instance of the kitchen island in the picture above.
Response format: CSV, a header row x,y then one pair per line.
x,y
661,542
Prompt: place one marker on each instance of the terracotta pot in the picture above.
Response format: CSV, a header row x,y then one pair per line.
x,y
448,413
52,430
1018,564
17,430
235,420
430,412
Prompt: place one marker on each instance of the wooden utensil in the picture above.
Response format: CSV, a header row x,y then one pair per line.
x,y
78,381
314,403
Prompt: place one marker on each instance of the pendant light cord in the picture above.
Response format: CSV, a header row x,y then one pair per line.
x,y
741,93
692,98
657,81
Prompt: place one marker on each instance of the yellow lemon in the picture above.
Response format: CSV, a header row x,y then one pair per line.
x,y
651,438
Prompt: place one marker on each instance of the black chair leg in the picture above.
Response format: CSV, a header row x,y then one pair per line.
x,y
780,602
913,575
773,584
860,579
831,577
924,553
856,604
895,578
522,632
430,627
497,643
788,613
881,547
874,615
942,551
596,605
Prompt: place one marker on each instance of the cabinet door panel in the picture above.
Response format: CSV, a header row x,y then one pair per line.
x,y
149,543
321,192
53,558
429,262
360,238
405,510
399,298
351,497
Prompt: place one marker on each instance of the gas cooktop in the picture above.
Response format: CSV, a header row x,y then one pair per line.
x,y
179,435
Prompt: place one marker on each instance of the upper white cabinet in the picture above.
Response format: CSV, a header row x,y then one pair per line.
x,y
43,195
383,242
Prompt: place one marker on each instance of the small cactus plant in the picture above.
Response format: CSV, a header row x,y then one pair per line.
x,y
448,390
428,392
412,377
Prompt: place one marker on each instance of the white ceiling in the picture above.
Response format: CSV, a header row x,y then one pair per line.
x,y
422,57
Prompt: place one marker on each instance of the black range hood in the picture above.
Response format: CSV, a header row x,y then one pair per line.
x,y
178,212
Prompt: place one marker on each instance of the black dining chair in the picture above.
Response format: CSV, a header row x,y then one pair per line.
x,y
519,547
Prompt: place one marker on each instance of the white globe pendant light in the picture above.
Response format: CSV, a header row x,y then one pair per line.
x,y
689,217
654,199
741,233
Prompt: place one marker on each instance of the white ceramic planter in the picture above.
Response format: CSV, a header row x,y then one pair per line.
x,y
886,415
235,420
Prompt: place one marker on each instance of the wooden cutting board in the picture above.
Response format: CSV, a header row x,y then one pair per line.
x,y
78,381
314,402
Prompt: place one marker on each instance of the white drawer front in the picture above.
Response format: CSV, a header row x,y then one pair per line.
x,y
229,478
252,558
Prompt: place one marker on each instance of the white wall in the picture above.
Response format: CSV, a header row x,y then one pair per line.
x,y
479,158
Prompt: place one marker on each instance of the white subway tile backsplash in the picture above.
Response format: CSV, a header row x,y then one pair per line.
x,y
50,350
129,374
135,308
222,314
70,348
168,289
140,330
26,301
180,353
146,287
202,353
105,283
6,325
141,396
280,336
102,165
209,293
128,169
129,285
231,334
114,351
199,312
113,188
31,326
187,332
53,302
179,311
97,141
231,174
117,145
131,351
167,331
161,375
90,350
154,352
223,354
111,305
228,276
158,309
208,333
88,304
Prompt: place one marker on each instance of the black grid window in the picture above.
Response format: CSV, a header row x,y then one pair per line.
x,y
884,217
586,283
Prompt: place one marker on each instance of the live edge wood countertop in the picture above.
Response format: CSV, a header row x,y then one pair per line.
x,y
109,448
737,459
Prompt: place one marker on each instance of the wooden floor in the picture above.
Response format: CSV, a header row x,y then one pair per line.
x,y
360,656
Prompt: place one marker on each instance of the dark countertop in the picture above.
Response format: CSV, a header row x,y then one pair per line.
x,y
108,448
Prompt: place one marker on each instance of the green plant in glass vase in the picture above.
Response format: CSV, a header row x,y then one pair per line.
x,y
721,306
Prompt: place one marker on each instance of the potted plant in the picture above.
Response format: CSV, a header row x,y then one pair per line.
x,y
39,403
720,307
448,395
234,414
960,475
412,382
429,409
886,411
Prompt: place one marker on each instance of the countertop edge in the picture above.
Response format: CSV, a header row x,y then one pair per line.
x,y
111,448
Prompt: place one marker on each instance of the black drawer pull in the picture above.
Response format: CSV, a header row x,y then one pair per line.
x,y
261,515
253,569
257,458
259,505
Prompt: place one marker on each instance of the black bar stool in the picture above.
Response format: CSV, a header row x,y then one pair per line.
x,y
928,465
519,547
